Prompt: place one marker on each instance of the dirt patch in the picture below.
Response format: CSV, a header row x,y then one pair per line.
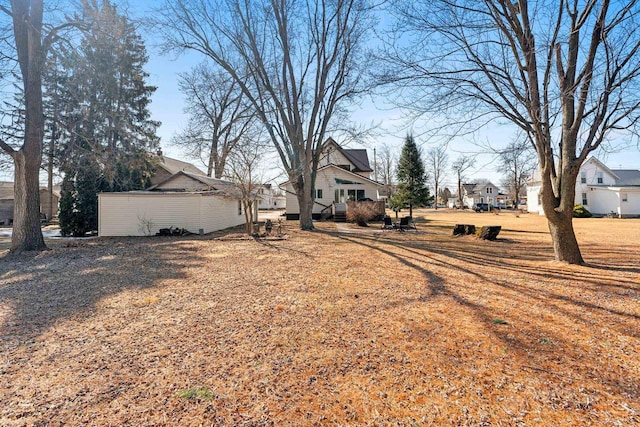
x,y
326,328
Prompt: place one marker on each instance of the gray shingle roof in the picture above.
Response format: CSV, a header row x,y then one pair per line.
x,y
359,158
174,165
627,177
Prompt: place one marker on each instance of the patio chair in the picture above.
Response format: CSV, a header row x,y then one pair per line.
x,y
388,224
406,223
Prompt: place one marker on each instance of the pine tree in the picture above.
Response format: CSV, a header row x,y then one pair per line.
x,y
412,177
108,133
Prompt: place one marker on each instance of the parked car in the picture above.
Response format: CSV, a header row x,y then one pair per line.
x,y
481,207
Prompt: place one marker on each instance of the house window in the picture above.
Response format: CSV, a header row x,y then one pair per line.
x,y
489,190
600,179
339,195
318,194
584,199
345,167
355,195
239,207
623,196
583,177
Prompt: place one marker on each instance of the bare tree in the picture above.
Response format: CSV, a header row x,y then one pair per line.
x,y
245,172
566,73
219,116
460,166
31,50
517,163
386,169
297,62
437,159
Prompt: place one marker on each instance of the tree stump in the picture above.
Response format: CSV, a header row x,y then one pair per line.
x,y
489,232
464,229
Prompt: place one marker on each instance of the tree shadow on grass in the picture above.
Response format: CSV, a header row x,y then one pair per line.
x,y
68,282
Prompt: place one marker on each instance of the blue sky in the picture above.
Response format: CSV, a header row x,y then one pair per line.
x,y
168,104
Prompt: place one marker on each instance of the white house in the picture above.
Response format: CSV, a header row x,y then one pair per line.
x,y
197,203
270,198
600,189
483,192
343,175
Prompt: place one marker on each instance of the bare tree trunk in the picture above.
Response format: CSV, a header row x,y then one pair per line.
x,y
565,244
27,235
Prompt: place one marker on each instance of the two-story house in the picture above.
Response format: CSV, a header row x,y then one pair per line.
x,y
598,188
343,175
483,192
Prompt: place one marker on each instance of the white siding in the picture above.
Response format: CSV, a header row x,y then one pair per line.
x,y
128,214
325,181
533,194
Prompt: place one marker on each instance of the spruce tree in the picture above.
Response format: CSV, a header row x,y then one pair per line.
x,y
108,133
412,177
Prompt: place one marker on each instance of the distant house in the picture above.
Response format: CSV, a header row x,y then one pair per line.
x,y
168,167
600,189
484,192
270,198
197,203
7,202
343,175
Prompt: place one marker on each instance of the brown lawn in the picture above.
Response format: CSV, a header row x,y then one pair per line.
x,y
342,326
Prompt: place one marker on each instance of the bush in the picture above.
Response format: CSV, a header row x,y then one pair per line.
x,y
361,213
580,211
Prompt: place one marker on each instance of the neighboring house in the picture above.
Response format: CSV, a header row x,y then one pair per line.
x,y
343,175
270,198
7,202
600,189
484,192
197,203
168,167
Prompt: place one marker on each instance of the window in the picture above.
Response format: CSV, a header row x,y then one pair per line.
x,y
583,177
600,179
239,207
345,167
318,194
355,195
623,196
339,195
584,199
489,190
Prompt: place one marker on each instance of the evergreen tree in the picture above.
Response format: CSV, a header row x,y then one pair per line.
x,y
107,132
412,178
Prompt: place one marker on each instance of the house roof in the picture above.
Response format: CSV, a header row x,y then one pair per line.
x,y
355,175
476,188
627,177
174,165
358,157
216,185
6,190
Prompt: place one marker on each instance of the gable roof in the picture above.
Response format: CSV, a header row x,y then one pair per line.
x,y
476,188
358,157
6,190
627,177
174,165
212,183
351,173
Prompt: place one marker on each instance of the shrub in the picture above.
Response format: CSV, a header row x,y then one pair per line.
x,y
361,213
580,211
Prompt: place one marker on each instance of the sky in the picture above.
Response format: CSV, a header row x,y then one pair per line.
x,y
390,123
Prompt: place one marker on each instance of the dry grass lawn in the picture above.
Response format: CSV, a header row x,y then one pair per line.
x,y
343,326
